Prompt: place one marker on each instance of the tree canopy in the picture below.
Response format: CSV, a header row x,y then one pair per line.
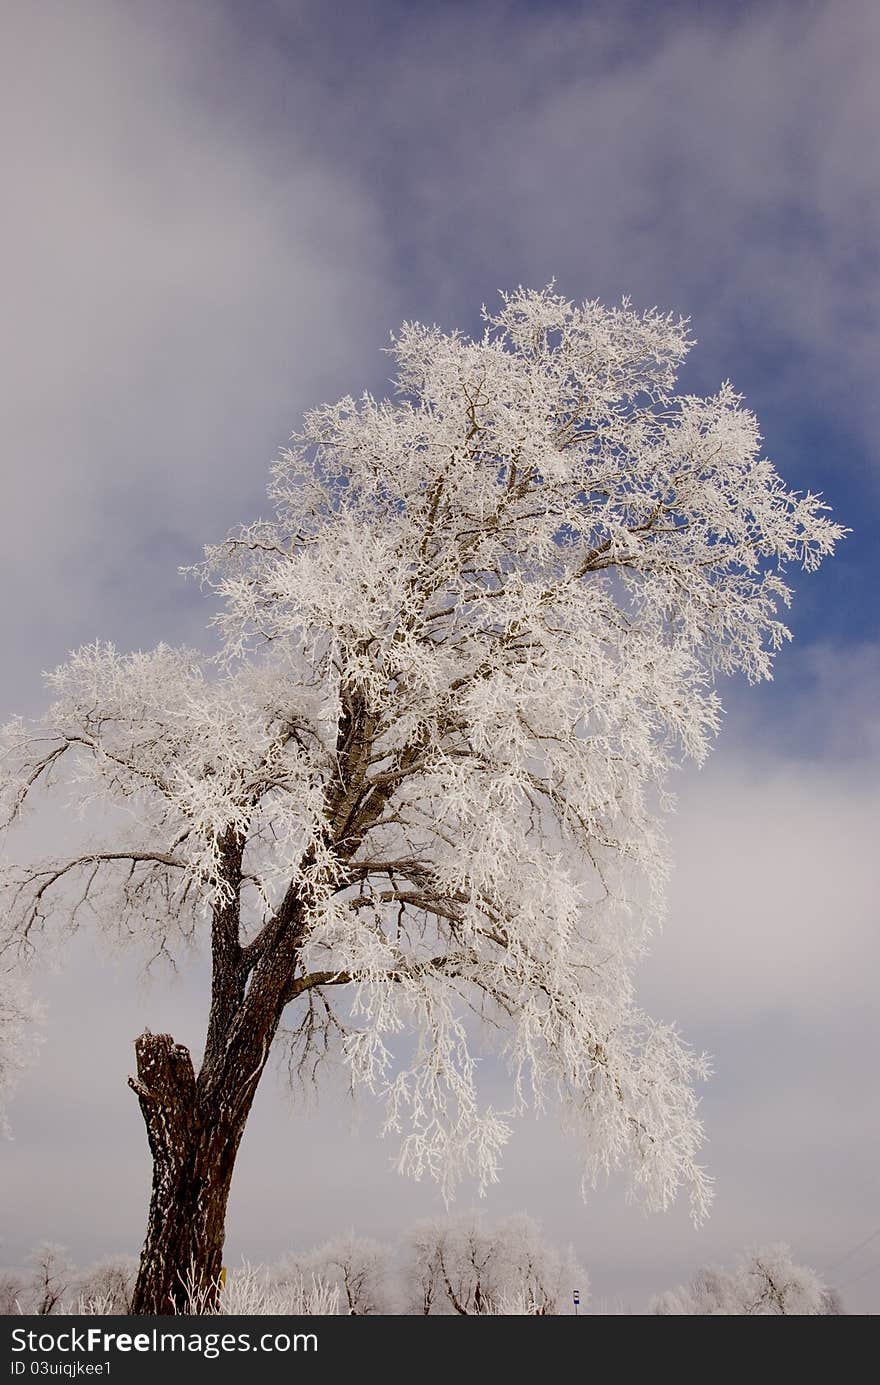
x,y
420,796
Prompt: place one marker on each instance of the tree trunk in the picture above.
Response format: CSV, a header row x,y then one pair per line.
x,y
195,1124
194,1144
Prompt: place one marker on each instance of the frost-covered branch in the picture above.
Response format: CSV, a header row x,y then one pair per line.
x,y
419,801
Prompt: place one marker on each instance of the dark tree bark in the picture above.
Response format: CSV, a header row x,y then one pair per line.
x,y
194,1127
193,1145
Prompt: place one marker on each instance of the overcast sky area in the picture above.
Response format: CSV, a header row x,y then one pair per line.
x,y
215,215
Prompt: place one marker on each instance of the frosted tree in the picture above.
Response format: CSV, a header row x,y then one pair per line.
x,y
461,1265
356,1267
13,1293
765,1283
52,1273
418,806
110,1282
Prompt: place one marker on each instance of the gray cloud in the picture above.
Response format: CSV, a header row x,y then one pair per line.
x,y
722,161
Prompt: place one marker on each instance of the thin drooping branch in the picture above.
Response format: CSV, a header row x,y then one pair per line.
x,y
32,886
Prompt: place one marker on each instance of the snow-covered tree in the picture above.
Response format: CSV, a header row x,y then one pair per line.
x,y
110,1282
51,1275
461,1265
416,807
13,1293
358,1267
765,1283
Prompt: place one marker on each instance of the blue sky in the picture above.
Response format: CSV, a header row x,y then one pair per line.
x,y
218,212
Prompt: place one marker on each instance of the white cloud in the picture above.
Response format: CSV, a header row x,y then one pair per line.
x,y
772,906
175,293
